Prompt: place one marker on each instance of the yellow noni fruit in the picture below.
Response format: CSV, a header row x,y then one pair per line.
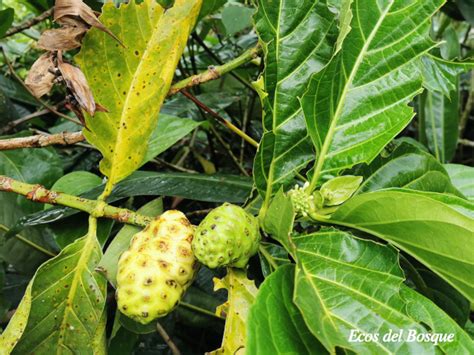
x,y
157,268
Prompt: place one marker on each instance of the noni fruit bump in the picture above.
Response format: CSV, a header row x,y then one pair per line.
x,y
228,236
157,268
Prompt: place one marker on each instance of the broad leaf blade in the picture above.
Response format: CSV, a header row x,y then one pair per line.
x,y
347,285
426,228
358,102
297,37
132,82
67,301
274,314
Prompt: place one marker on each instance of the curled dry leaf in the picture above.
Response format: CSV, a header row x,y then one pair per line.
x,y
41,76
65,38
67,10
77,84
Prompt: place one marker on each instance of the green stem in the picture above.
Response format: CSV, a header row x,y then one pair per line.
x,y
38,193
215,72
29,242
268,256
200,310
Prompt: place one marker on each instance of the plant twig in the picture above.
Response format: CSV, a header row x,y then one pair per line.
x,y
215,72
174,349
218,60
29,23
22,120
41,140
466,143
229,151
38,193
200,310
220,119
49,107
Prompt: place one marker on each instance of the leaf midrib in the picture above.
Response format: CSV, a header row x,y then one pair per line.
x,y
347,84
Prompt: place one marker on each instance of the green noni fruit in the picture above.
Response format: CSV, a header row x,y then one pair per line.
x,y
157,268
228,236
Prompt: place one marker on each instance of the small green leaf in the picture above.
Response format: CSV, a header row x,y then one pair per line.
x,y
133,82
442,75
407,166
170,129
6,19
338,190
462,177
236,18
278,221
274,314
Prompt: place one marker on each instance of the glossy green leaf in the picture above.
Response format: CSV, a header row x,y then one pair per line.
x,y
445,296
338,190
6,19
428,229
462,177
274,314
297,38
439,122
241,295
67,301
132,81
236,18
422,310
441,75
358,102
37,166
211,6
278,221
406,167
109,263
16,92
8,111
170,129
346,286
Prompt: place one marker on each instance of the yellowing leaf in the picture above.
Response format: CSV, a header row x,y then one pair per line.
x,y
17,324
132,81
242,293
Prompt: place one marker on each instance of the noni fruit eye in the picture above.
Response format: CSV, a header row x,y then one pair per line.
x,y
157,268
228,236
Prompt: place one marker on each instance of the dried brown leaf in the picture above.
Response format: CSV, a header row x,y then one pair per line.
x,y
65,38
76,82
64,10
40,78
